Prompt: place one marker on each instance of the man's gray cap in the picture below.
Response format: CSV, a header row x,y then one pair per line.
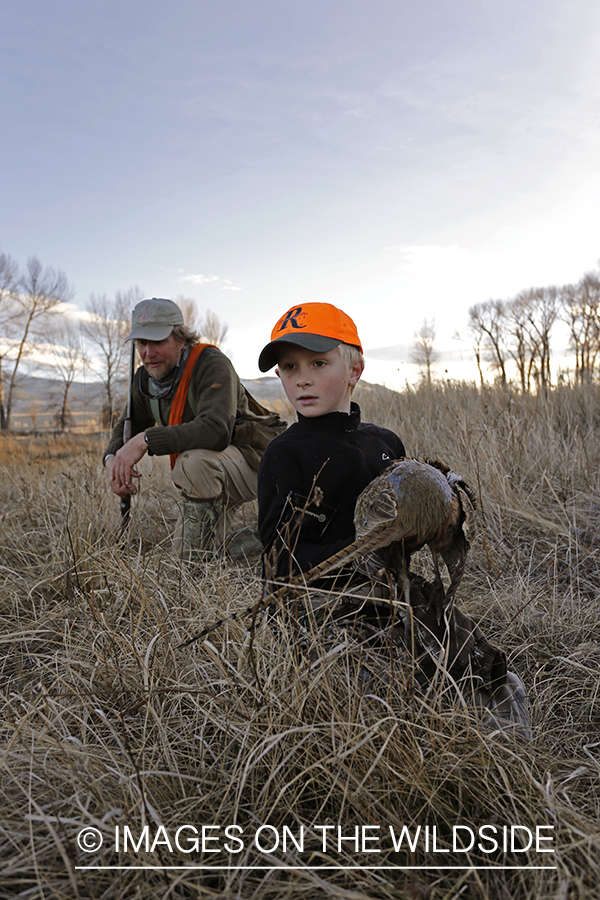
x,y
154,320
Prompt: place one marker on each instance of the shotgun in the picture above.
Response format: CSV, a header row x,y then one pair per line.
x,y
127,435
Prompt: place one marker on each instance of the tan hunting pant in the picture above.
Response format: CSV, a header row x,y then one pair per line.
x,y
222,475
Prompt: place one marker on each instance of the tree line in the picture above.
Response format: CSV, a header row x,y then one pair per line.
x,y
33,317
515,335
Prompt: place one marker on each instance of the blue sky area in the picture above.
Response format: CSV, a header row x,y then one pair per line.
x,y
400,160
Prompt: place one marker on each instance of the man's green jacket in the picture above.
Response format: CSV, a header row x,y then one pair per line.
x,y
216,401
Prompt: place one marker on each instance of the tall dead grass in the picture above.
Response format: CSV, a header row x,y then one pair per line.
x,y
106,724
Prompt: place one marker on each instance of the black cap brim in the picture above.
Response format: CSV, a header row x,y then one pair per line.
x,y
318,343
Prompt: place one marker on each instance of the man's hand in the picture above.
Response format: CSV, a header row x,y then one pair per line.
x,y
120,469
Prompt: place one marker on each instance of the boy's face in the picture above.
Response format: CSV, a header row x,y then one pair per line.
x,y
316,383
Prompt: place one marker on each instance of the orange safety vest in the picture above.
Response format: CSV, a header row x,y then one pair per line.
x,y
178,405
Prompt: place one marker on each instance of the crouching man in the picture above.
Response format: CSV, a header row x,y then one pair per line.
x,y
188,401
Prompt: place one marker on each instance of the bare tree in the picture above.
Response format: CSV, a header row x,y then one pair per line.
x,y
577,329
191,313
34,406
212,329
521,347
67,355
423,352
487,326
581,308
209,326
9,277
542,312
41,291
588,290
108,326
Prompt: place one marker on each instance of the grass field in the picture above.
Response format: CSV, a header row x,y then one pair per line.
x,y
106,725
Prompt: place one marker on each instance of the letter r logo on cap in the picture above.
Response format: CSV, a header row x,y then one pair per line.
x,y
291,319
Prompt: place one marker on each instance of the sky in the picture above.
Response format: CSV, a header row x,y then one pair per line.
x,y
401,160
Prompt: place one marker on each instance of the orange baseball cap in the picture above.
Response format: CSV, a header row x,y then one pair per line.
x,y
315,326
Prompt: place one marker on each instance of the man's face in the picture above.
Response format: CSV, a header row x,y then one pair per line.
x,y
159,358
316,383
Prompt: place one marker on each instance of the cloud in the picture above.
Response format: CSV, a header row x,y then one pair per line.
x,y
197,278
398,352
229,286
192,278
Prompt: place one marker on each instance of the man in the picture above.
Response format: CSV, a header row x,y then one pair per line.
x,y
188,401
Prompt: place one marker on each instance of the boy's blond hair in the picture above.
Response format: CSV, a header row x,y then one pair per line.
x,y
351,356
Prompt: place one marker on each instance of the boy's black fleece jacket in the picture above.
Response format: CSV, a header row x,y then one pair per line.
x,y
338,454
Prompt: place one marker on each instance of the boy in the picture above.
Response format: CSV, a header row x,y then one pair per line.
x,y
308,482
311,475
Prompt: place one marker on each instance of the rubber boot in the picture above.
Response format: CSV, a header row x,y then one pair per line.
x,y
244,546
200,526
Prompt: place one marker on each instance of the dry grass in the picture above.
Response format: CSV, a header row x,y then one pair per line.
x,y
105,723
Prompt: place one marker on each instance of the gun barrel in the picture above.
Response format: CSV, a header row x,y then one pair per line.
x,y
125,507
127,435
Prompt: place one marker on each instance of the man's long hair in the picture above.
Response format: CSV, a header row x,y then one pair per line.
x,y
183,333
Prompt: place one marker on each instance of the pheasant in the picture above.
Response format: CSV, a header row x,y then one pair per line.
x,y
414,503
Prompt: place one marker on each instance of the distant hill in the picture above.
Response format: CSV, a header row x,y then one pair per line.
x,y
268,391
48,389
37,400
